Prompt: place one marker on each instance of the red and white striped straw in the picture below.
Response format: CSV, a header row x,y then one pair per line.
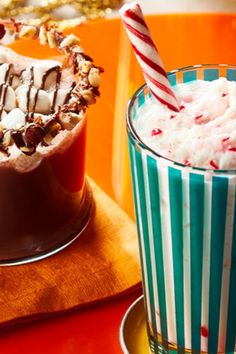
x,y
147,55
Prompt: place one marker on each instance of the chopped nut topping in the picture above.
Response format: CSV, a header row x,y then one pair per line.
x,y
85,66
88,96
94,77
42,35
51,131
27,32
69,121
6,141
69,41
51,39
28,150
52,127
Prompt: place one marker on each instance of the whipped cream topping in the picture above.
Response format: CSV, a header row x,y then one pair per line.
x,y
202,134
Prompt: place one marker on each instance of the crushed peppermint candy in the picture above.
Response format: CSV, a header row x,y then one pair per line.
x,y
204,331
156,132
214,165
187,163
199,117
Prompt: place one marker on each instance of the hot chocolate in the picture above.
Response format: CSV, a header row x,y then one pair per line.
x,y
43,195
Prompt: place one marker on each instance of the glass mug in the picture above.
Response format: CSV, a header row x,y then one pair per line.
x,y
45,200
187,239
186,32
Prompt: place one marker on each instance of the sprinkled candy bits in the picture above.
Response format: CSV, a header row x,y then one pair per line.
x,y
40,99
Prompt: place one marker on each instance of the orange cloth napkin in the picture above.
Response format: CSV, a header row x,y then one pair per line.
x,y
102,263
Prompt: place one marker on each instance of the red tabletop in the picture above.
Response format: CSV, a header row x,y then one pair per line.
x,y
91,330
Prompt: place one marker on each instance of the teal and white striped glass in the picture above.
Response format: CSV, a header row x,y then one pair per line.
x,y
186,219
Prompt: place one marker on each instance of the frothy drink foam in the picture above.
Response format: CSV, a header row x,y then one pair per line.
x,y
202,134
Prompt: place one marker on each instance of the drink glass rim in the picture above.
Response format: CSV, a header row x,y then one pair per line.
x,y
132,131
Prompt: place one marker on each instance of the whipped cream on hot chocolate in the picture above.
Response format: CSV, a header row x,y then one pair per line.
x,y
202,134
41,101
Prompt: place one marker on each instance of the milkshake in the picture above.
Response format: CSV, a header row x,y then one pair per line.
x,y
184,183
44,198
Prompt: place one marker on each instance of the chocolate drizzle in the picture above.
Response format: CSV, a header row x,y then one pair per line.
x,y
8,72
68,95
3,95
57,69
5,88
15,75
31,118
29,92
29,115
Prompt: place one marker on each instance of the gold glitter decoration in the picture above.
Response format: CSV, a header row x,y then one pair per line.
x,y
43,12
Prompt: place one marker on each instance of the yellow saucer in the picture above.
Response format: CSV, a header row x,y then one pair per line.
x,y
133,330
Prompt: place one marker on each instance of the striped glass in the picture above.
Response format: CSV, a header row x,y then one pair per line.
x,y
186,219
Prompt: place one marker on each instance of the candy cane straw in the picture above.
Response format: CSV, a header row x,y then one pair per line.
x,y
147,55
